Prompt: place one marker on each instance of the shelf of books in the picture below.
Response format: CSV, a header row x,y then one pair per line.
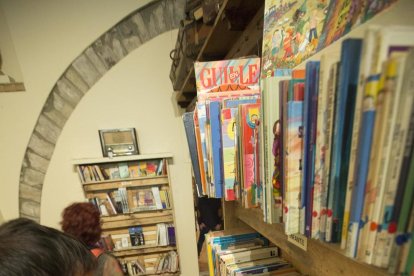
x,y
133,196
319,158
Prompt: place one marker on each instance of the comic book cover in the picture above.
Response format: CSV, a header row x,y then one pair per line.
x,y
226,75
293,30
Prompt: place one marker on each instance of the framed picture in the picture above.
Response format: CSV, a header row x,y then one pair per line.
x,y
118,142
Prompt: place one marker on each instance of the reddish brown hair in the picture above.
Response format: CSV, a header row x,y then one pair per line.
x,y
82,221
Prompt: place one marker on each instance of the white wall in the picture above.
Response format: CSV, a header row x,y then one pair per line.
x,y
137,92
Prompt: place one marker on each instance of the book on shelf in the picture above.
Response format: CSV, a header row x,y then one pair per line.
x,y
136,236
188,120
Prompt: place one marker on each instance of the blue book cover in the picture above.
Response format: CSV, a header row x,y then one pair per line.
x,y
216,146
341,142
362,164
192,147
202,120
309,138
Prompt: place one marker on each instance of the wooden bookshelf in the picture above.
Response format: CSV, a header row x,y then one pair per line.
x,y
141,199
319,259
236,32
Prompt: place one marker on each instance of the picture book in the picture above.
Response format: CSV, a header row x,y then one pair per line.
x,y
362,164
325,102
345,107
295,30
271,148
294,145
249,116
123,170
192,148
216,148
310,105
226,75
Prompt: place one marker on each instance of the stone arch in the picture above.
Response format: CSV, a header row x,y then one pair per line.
x,y
95,61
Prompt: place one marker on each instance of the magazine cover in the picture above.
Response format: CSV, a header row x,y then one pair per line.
x,y
226,75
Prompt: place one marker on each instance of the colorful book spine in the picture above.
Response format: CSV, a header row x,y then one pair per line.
x,y
345,105
362,163
216,147
249,117
404,92
294,158
309,143
364,72
321,146
229,151
192,147
270,126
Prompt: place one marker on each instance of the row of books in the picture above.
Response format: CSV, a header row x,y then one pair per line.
x,y
152,264
127,200
244,254
332,156
223,133
163,234
346,127
121,170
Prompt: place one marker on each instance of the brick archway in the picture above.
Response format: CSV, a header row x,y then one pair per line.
x,y
94,62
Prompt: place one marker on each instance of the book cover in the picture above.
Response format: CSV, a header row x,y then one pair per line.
x,y
324,117
294,143
217,148
362,163
192,148
295,30
310,103
235,73
271,148
200,154
341,141
364,72
123,170
133,169
250,148
228,138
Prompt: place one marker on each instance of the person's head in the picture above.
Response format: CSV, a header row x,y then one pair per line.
x,y
82,220
28,248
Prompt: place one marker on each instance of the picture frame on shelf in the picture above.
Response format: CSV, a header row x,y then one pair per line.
x,y
118,142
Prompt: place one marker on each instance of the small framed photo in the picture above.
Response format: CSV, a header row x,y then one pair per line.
x,y
118,142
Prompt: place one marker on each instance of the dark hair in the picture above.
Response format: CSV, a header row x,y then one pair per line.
x,y
28,248
82,220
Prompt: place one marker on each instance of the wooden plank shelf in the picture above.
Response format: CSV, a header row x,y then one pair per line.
x,y
136,215
154,218
97,160
320,258
146,249
126,182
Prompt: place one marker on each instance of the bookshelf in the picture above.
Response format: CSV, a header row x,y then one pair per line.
x,y
319,258
133,195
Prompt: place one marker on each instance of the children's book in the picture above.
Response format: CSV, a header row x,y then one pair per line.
x,y
123,170
216,148
400,122
294,145
361,166
309,142
324,113
271,148
192,148
345,107
249,116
